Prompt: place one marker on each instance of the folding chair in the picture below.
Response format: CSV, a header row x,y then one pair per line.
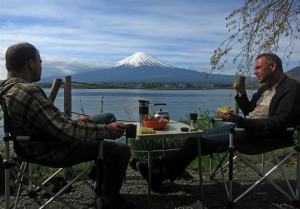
x,y
239,153
18,167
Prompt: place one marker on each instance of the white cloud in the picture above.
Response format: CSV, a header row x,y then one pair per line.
x,y
179,33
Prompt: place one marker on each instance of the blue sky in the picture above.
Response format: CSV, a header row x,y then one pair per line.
x,y
75,35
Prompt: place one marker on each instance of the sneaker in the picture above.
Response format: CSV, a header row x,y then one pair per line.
x,y
119,202
157,174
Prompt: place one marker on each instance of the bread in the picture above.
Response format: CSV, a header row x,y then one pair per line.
x,y
224,110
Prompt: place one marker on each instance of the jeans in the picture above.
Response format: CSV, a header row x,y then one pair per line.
x,y
116,155
212,141
215,140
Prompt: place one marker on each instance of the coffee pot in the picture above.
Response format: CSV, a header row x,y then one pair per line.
x,y
160,113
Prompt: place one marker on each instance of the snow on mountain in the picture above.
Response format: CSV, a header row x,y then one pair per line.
x,y
139,59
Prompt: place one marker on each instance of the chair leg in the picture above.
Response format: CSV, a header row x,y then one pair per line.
x,y
297,149
99,176
298,179
219,166
7,166
230,173
230,177
7,188
23,167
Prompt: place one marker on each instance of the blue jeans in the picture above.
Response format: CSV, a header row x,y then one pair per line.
x,y
116,155
215,140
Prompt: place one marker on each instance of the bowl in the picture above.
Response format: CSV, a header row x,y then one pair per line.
x,y
155,124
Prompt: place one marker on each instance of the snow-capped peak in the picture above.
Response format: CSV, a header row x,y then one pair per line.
x,y
141,59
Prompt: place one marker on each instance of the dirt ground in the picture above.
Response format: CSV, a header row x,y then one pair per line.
x,y
183,193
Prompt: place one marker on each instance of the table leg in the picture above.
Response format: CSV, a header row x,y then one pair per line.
x,y
149,172
164,147
200,171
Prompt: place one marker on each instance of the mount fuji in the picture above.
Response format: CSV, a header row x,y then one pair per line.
x,y
139,59
141,67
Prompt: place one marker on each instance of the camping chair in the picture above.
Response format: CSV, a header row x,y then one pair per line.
x,y
240,152
20,168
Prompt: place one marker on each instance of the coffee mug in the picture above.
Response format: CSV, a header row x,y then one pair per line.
x,y
130,130
240,81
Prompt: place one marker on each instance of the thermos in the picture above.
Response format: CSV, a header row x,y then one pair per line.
x,y
143,111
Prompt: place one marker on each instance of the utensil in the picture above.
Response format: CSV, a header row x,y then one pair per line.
x,y
161,118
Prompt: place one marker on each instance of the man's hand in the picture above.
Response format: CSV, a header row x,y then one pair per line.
x,y
230,116
116,130
84,119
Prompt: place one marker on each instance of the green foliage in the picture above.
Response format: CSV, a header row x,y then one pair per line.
x,y
140,147
43,172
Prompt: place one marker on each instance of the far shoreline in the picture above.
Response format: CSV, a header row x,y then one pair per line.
x,y
152,86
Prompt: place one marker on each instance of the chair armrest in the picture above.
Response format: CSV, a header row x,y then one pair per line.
x,y
239,129
22,138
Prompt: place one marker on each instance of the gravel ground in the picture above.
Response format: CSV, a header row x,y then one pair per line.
x,y
183,193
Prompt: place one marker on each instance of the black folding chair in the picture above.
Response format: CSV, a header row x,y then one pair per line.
x,y
20,168
240,153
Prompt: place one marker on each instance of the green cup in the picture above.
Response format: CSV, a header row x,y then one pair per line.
x,y
240,81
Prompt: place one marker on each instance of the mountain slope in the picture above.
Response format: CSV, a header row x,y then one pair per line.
x,y
149,74
294,73
139,59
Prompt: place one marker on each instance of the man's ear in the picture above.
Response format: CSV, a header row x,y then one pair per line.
x,y
273,65
31,64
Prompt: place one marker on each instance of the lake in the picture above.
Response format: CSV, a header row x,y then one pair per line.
x,y
124,102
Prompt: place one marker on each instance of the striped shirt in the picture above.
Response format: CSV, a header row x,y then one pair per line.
x,y
31,113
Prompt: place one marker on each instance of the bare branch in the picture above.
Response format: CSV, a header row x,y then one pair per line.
x,y
258,27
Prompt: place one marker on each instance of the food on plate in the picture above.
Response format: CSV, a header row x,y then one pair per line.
x,y
225,110
145,130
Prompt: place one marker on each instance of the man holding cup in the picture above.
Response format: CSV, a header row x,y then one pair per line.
x,y
273,108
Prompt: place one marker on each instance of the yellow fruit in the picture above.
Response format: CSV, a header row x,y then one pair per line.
x,y
226,108
145,130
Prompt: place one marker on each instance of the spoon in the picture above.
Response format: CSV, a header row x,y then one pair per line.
x,y
161,118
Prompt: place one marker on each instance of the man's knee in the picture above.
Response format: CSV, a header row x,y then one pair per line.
x,y
124,150
104,118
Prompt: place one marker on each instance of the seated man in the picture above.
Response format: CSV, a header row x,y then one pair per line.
x,y
65,142
273,108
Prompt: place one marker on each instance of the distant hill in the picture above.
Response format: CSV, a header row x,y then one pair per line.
x,y
294,73
148,74
142,67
